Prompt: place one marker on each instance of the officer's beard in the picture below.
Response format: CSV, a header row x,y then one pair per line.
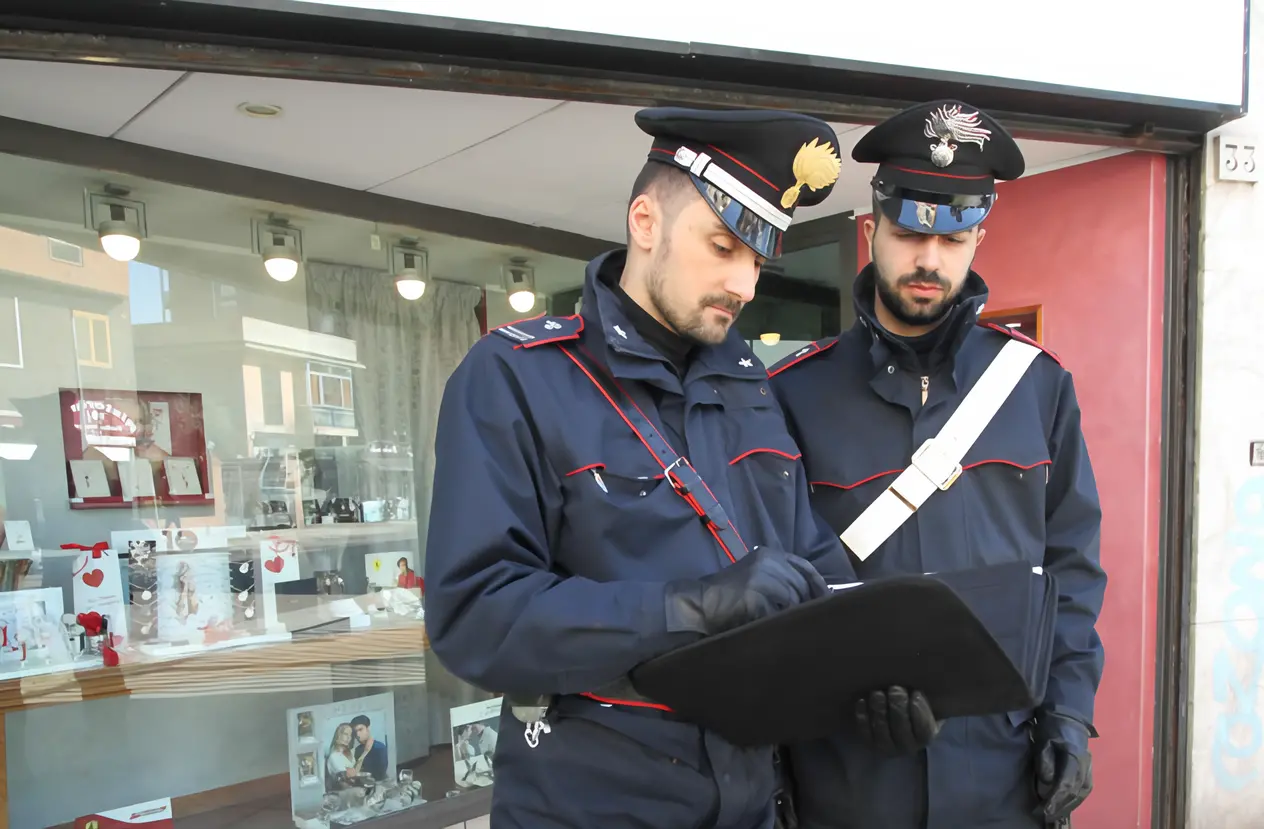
x,y
912,312
689,323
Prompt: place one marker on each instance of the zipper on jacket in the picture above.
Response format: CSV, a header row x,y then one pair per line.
x,y
925,389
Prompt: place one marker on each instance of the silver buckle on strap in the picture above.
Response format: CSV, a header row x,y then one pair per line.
x,y
940,470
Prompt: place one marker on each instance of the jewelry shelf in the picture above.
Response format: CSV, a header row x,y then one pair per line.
x,y
318,535
297,663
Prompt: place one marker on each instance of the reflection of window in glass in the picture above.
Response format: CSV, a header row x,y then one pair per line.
x,y
329,391
92,339
150,293
273,399
223,299
10,333
60,251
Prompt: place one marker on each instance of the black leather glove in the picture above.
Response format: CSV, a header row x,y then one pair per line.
x,y
896,722
1064,766
760,583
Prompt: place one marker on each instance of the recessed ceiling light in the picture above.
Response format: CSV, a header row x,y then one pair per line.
x,y
259,110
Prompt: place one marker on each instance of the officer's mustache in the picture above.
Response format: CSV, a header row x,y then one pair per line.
x,y
733,306
923,277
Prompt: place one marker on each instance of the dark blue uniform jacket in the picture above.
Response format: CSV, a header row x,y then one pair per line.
x,y
552,533
854,404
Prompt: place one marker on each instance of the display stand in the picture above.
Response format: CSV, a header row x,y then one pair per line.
x,y
165,430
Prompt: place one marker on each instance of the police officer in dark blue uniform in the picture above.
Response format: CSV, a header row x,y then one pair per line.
x,y
874,402
616,484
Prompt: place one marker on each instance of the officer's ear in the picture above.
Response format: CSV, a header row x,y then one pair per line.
x,y
979,239
644,218
870,227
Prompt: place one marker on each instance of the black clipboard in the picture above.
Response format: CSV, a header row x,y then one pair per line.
x,y
974,642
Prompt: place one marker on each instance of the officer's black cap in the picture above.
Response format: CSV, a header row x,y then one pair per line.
x,y
753,167
938,164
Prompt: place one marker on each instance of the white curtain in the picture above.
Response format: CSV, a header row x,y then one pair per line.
x,y
408,348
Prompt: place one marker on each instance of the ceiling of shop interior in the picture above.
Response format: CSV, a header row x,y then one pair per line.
x,y
563,165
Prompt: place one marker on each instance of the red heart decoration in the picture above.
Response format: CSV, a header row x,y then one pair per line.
x,y
115,640
90,622
276,565
93,578
109,657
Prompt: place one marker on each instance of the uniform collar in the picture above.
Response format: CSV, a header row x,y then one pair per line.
x,y
603,312
952,331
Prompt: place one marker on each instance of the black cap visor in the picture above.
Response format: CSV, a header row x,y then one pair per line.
x,y
934,213
749,228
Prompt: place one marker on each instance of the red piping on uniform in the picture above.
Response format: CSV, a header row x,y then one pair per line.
x,y
1019,335
940,175
898,471
797,360
633,703
1008,463
785,455
743,166
574,335
858,483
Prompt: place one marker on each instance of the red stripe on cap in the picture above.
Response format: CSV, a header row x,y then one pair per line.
x,y
743,166
939,175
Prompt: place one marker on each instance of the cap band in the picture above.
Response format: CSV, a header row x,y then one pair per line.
x,y
700,164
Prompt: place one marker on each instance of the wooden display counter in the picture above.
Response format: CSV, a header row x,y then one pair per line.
x,y
325,535
389,653
222,671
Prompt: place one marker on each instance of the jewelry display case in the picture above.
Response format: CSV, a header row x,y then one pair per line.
x,y
213,500
229,646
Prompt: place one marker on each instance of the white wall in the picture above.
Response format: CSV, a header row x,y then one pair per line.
x,y
1227,721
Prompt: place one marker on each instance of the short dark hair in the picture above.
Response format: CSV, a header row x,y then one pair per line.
x,y
666,183
359,719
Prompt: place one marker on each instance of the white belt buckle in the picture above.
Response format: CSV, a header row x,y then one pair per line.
x,y
929,460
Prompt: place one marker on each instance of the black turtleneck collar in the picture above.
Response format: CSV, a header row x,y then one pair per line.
x,y
636,341
662,339
939,345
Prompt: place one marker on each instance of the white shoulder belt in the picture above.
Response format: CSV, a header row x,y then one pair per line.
x,y
937,464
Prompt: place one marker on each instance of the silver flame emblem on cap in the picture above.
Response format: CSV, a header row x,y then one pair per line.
x,y
949,124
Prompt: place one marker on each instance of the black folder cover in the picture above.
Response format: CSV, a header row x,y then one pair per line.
x,y
974,641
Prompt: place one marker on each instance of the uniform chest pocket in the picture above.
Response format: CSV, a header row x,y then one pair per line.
x,y
612,507
763,462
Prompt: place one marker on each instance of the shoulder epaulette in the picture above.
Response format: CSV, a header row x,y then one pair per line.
x,y
1014,333
806,353
541,330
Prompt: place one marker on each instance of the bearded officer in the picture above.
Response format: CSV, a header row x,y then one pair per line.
x,y
861,404
616,484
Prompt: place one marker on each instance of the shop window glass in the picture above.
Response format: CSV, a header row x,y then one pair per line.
x,y
796,303
213,489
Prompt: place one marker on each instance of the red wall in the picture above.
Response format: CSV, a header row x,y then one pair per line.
x,y
1087,243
